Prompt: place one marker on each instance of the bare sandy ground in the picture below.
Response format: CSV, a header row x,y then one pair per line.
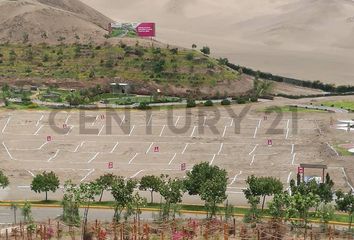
x,y
162,142
308,39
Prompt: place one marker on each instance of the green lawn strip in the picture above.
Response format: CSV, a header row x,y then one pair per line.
x,y
342,151
289,109
345,104
341,218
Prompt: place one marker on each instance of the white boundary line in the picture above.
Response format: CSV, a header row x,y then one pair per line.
x,y
259,123
255,133
93,158
114,148
193,131
40,119
204,121
223,134
131,160
185,148
234,179
93,123
40,127
148,123
137,173
45,143
252,161
54,156
30,173
232,122
173,158
67,119
292,148
346,179
289,176
88,174
212,160
220,149
148,150
99,133
333,149
7,150
163,128
69,131
177,121
254,149
293,160
123,119
7,122
131,131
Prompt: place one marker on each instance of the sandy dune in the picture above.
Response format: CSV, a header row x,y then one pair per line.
x,y
48,20
309,39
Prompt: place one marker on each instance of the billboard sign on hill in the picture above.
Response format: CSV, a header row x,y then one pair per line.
x,y
146,29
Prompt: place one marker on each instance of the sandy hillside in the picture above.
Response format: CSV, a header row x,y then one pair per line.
x,y
309,39
49,20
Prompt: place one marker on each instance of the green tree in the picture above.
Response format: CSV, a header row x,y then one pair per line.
x,y
262,186
325,212
134,208
105,182
345,203
205,50
299,205
172,191
88,191
191,103
122,192
194,46
150,183
277,206
45,182
71,202
4,180
210,183
27,212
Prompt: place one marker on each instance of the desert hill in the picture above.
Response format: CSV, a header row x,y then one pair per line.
x,y
50,21
307,39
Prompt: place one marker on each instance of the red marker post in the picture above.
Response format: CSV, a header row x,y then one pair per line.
x,y
156,149
110,165
49,138
183,167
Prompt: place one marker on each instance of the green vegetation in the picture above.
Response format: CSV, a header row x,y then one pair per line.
x,y
349,105
45,182
4,180
342,151
289,109
88,62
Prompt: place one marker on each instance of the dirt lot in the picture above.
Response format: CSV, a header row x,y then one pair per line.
x,y
86,144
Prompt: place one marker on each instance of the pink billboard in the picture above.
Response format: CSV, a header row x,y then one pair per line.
x,y
146,30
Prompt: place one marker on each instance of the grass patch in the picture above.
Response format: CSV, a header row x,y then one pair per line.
x,y
345,104
289,109
342,151
89,62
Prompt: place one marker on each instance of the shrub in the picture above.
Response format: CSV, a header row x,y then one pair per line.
x,y
205,50
241,100
190,56
208,103
225,102
191,103
144,106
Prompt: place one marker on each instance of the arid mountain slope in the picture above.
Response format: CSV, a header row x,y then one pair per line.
x,y
308,39
50,21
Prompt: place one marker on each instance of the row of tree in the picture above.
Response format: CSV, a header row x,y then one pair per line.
x,y
296,204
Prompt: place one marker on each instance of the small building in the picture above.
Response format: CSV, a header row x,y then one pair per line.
x,y
120,88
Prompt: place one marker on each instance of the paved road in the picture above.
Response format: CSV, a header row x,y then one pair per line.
x,y
43,214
